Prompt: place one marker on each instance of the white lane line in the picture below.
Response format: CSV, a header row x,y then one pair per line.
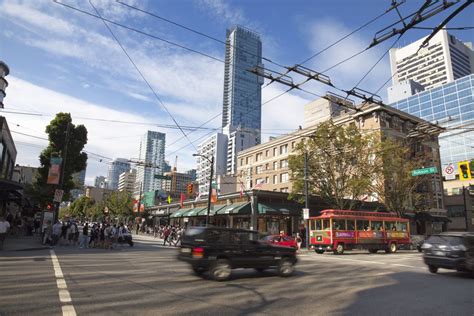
x,y
64,295
402,265
370,262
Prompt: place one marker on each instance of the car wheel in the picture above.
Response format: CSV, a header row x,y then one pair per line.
x,y
373,250
221,270
339,249
199,270
286,267
319,251
393,247
433,269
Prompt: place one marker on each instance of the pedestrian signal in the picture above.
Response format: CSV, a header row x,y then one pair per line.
x,y
464,170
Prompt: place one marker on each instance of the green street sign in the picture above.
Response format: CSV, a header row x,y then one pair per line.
x,y
159,176
423,171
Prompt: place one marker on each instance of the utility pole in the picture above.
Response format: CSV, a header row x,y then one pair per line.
x,y
465,207
210,191
306,203
139,199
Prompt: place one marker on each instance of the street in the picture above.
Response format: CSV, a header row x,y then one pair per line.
x,y
148,280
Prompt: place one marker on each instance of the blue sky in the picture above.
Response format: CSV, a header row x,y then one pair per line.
x,y
62,60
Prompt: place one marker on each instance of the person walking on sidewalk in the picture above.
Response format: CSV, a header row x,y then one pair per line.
x,y
4,226
166,235
48,230
57,228
85,236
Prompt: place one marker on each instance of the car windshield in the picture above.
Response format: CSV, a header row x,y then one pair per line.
x,y
446,240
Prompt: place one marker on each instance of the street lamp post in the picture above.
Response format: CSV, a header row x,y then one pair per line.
x,y
210,184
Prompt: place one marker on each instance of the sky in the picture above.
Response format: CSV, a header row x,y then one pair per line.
x,y
62,60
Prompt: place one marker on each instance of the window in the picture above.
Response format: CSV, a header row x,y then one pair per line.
x,y
267,166
326,225
284,177
362,225
266,153
283,149
259,169
275,179
284,163
260,181
275,152
285,190
275,165
350,224
293,145
376,225
267,180
258,157
339,224
247,160
241,161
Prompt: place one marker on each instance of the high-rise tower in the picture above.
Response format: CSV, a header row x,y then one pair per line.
x,y
152,154
117,166
242,107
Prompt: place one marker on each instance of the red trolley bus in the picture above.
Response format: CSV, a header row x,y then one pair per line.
x,y
339,230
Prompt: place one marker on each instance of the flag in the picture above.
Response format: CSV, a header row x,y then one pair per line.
x,y
198,197
214,196
258,185
182,198
169,199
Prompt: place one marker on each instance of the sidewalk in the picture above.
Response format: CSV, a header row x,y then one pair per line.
x,y
23,243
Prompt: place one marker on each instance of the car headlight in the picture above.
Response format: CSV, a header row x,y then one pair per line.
x,y
459,248
426,246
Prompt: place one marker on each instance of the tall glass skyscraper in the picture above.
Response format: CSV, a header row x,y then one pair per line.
x,y
152,152
451,106
117,166
242,89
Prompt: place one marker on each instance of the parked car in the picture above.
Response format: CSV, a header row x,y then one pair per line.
x,y
449,250
218,250
285,241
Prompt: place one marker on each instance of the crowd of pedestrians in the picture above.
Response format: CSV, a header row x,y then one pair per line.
x,y
86,235
171,234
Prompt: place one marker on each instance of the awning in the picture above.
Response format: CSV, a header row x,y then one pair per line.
x,y
8,185
192,212
214,209
235,208
279,209
180,212
441,219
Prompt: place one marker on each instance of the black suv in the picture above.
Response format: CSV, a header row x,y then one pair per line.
x,y
449,250
219,250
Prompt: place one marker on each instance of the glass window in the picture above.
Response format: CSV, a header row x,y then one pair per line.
x,y
391,226
284,163
376,225
437,102
326,225
275,179
401,227
464,93
424,98
453,96
339,224
283,149
350,224
284,178
362,225
275,165
436,93
275,151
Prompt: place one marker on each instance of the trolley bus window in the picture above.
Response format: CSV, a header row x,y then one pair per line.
x,y
376,225
402,227
350,224
326,224
317,225
389,225
362,225
339,224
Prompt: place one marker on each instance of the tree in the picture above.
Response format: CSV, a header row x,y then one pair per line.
x,y
339,164
83,207
119,204
393,183
75,160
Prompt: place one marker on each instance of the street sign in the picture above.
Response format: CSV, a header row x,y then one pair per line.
x,y
58,195
450,172
306,213
423,171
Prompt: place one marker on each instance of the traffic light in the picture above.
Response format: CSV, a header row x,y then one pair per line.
x,y
49,206
464,170
190,188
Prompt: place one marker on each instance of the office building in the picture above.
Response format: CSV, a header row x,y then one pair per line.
x,y
452,106
321,110
100,182
127,181
152,158
236,142
242,104
443,60
266,166
117,166
177,183
215,146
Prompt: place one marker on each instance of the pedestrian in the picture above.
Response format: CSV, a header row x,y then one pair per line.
x,y
102,235
93,238
57,228
299,241
48,230
4,227
71,233
166,235
138,228
85,236
37,224
63,237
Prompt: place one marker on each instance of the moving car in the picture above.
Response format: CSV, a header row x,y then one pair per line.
x,y
285,241
449,250
218,250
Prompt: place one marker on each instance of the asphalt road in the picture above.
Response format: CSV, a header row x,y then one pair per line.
x,y
148,280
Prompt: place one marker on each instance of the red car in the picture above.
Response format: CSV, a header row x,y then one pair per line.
x,y
286,241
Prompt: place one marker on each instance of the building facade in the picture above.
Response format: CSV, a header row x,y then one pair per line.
x,y
127,181
177,183
451,106
152,155
215,146
459,202
443,60
403,90
100,182
117,166
266,166
242,101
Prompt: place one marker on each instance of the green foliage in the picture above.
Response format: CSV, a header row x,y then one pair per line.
x,y
75,160
83,207
119,204
339,164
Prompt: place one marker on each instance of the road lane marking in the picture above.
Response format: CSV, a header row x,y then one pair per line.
x,y
365,261
401,265
64,295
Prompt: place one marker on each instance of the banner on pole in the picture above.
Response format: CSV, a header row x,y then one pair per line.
x,y
54,172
